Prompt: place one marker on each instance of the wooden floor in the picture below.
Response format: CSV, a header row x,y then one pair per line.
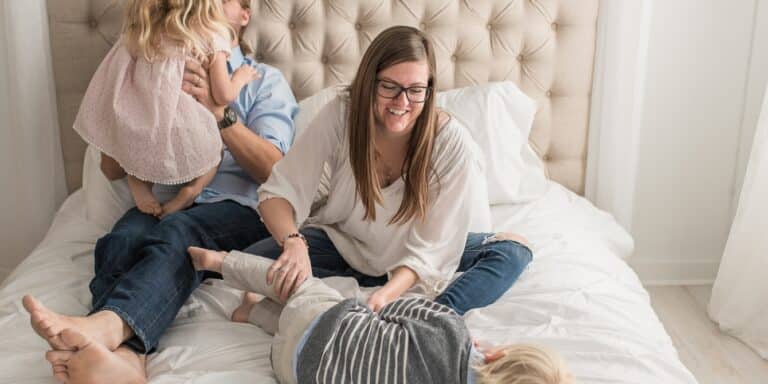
x,y
713,357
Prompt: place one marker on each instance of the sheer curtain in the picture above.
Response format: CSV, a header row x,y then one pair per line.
x,y
31,172
740,294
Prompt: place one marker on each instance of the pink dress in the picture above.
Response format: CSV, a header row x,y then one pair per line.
x,y
136,112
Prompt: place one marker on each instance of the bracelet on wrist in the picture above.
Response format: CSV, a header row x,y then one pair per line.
x,y
295,235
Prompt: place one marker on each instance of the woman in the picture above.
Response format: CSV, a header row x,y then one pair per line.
x,y
400,203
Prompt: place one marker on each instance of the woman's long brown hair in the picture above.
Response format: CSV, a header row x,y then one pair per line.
x,y
392,46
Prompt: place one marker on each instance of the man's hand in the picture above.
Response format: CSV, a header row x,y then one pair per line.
x,y
197,85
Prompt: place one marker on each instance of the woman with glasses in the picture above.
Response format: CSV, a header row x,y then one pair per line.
x,y
400,204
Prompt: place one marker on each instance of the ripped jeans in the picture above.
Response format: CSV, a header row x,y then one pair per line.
x,y
491,264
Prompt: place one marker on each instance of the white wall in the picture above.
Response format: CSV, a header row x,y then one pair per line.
x,y
666,155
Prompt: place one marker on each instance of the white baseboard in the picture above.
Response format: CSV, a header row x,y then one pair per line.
x,y
678,272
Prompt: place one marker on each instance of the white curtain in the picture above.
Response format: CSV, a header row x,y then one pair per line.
x,y
32,182
740,294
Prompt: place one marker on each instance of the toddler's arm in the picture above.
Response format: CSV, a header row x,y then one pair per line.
x,y
224,88
403,278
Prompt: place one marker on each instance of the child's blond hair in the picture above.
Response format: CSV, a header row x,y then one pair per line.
x,y
524,364
185,23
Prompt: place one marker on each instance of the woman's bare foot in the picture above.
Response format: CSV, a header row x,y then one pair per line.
x,y
88,362
143,196
183,199
105,327
206,259
241,313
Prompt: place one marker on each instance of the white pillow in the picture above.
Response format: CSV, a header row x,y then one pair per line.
x,y
105,201
499,116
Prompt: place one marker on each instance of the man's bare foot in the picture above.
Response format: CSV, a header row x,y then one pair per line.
x,y
241,313
206,259
105,327
143,196
183,199
88,362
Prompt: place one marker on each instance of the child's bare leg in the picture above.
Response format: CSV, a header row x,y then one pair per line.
x,y
111,168
143,196
258,310
187,194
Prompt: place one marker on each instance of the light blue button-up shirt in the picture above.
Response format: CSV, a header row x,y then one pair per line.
x,y
267,107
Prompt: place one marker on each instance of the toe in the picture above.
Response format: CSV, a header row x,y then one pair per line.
x,y
58,357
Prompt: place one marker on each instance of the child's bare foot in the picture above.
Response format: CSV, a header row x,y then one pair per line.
x,y
206,259
104,327
143,197
183,199
87,362
241,313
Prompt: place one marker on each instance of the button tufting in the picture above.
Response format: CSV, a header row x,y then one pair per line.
x,y
358,26
94,24
490,27
549,93
423,26
546,157
259,57
519,57
554,26
292,26
453,57
324,59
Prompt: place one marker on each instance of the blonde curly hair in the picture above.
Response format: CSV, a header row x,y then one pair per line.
x,y
189,24
524,364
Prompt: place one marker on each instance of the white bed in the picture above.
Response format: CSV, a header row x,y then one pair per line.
x,y
578,295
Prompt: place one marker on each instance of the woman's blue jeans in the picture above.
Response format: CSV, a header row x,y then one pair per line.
x,y
143,270
490,267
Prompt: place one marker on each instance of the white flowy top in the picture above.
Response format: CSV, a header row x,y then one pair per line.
x,y
432,248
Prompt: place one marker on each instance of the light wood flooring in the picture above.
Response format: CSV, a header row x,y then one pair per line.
x,y
712,356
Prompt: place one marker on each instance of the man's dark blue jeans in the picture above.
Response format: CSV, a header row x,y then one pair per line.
x,y
491,264
143,270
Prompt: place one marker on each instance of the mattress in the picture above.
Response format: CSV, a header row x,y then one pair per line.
x,y
578,296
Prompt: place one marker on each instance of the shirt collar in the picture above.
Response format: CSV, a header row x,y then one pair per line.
x,y
236,58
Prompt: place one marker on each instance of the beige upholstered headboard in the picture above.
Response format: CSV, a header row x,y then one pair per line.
x,y
545,46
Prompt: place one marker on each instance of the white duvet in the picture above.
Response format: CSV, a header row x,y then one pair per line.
x,y
578,296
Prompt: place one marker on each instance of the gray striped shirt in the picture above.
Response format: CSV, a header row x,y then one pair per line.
x,y
411,340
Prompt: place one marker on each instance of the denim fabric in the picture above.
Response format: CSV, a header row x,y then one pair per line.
x,y
143,270
490,267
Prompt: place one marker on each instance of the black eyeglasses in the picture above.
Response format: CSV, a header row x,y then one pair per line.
x,y
392,90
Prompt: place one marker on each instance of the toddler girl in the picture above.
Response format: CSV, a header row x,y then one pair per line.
x,y
135,111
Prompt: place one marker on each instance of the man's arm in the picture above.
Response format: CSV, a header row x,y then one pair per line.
x,y
252,152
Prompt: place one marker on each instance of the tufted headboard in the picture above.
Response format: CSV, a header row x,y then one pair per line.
x,y
545,46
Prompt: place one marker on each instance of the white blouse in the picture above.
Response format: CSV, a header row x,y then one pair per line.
x,y
432,248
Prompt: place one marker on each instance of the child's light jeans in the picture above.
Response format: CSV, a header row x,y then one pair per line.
x,y
249,272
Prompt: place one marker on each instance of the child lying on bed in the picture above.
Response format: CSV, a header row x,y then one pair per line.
x,y
323,337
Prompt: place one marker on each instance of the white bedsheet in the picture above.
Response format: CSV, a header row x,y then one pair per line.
x,y
578,296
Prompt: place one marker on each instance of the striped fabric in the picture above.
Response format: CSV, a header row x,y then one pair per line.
x,y
410,340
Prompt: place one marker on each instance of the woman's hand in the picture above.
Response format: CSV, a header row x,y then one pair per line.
x,y
197,85
380,299
290,269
